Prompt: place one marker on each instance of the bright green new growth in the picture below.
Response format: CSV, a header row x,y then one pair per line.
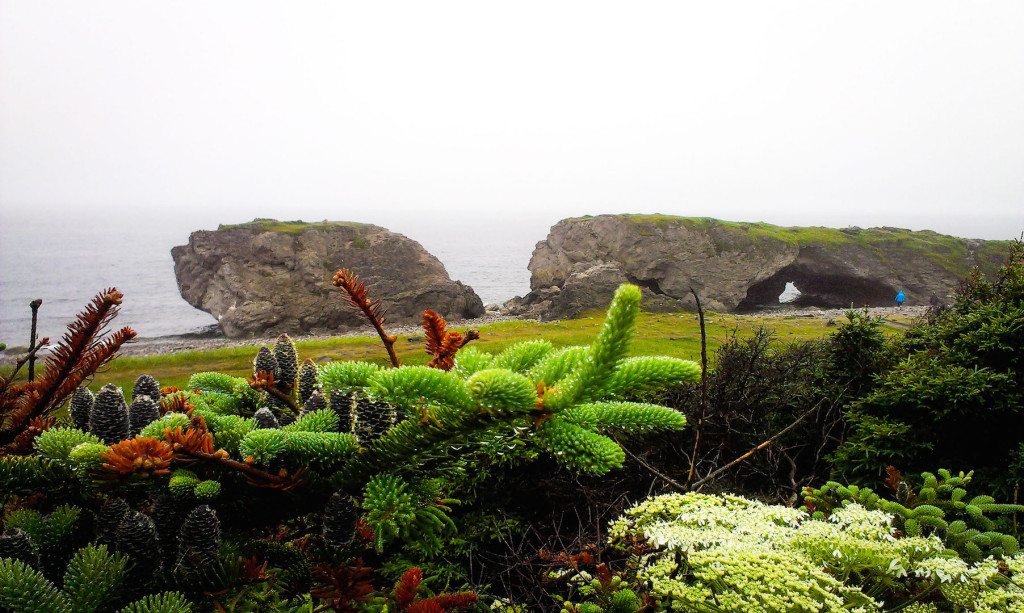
x,y
320,449
393,511
166,602
579,448
496,391
569,416
171,420
345,377
939,507
650,373
207,490
522,356
93,578
471,360
57,443
413,386
88,457
625,417
324,420
24,590
558,364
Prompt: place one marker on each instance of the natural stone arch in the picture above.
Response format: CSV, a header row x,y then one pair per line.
x,y
819,286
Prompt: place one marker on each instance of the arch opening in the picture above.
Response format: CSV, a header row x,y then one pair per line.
x,y
801,286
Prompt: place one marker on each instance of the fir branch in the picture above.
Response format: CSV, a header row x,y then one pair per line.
x,y
359,298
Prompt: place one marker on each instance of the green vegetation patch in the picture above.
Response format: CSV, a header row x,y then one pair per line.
x,y
289,227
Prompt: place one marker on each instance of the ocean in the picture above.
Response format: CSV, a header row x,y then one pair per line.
x,y
65,263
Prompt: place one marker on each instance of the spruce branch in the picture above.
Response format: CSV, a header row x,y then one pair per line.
x,y
359,298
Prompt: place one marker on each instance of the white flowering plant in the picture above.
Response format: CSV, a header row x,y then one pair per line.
x,y
729,553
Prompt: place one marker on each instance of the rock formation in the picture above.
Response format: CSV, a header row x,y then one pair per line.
x,y
267,277
742,266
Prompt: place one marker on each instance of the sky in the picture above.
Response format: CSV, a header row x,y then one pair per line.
x,y
481,115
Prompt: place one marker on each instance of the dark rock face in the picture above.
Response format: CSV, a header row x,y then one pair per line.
x,y
268,277
740,266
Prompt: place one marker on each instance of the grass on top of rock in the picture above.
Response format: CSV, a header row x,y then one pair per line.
x,y
670,334
950,252
288,227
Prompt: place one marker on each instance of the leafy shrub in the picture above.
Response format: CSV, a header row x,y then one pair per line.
x,y
728,553
956,396
939,505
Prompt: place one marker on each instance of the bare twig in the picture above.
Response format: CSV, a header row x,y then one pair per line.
x,y
35,304
654,471
696,486
703,387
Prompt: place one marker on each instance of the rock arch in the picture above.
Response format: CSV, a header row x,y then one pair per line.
x,y
820,286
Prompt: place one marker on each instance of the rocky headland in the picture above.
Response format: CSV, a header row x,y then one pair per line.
x,y
742,266
268,277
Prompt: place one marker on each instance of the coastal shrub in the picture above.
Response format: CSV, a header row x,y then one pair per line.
x,y
757,388
728,553
958,394
974,526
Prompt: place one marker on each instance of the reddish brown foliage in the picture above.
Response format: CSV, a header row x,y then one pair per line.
x,y
82,350
893,478
175,402
442,343
344,588
357,295
443,602
142,457
408,588
193,439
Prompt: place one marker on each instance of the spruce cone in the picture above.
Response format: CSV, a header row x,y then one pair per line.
x,y
137,539
15,543
287,362
307,380
168,514
144,410
199,541
373,418
109,416
265,419
266,362
315,403
146,385
342,404
340,517
81,406
111,514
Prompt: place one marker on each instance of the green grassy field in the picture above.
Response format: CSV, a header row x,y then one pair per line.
x,y
673,334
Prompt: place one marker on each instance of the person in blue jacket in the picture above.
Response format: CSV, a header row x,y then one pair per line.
x,y
900,298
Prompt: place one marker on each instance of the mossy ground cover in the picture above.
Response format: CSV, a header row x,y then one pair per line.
x,y
670,334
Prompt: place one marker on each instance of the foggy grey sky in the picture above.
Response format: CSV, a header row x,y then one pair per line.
x,y
835,113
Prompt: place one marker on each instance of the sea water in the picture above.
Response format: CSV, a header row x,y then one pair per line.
x,y
65,262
